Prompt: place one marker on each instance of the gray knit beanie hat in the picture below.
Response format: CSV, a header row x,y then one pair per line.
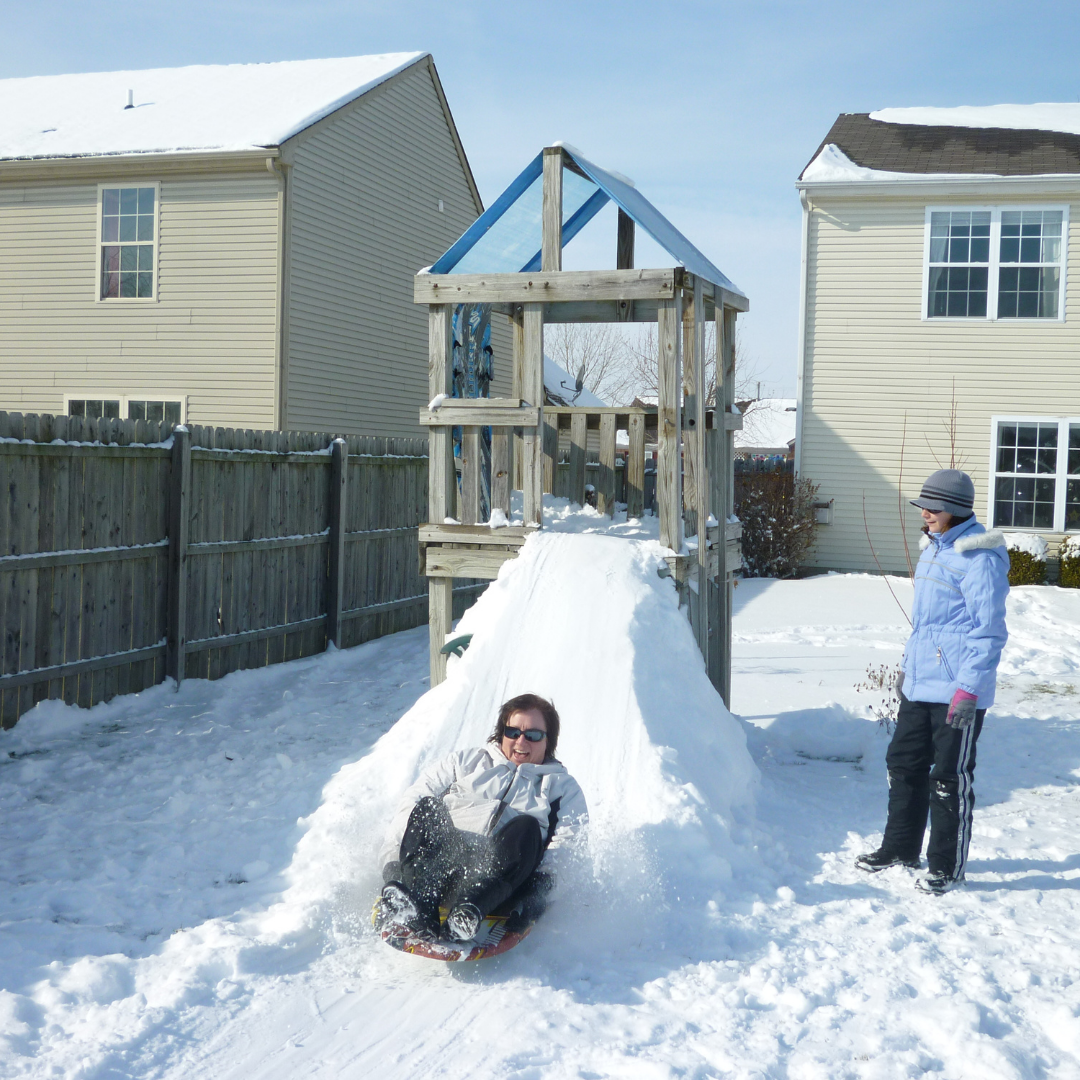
x,y
948,490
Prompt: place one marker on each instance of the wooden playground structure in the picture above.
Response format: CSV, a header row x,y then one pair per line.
x,y
694,441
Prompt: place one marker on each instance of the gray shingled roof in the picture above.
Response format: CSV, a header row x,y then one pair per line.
x,y
916,148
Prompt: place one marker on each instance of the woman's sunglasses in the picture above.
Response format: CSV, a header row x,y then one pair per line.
x,y
532,734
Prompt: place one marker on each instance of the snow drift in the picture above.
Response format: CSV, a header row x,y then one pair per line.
x,y
587,622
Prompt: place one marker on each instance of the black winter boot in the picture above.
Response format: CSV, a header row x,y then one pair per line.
x,y
873,861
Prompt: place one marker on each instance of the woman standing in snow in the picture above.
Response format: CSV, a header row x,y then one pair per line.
x,y
475,827
946,684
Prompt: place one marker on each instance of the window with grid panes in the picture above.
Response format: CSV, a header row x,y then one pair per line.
x,y
1036,482
1029,274
127,242
94,408
959,263
996,263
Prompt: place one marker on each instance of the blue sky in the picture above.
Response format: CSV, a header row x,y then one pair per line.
x,y
712,107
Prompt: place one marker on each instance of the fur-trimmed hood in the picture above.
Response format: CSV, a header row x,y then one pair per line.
x,y
974,538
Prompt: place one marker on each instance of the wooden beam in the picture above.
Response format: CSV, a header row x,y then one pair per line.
x,y
669,464
694,465
532,390
635,467
551,450
470,475
442,481
448,563
458,412
552,209
335,593
510,536
733,421
624,251
501,439
601,311
179,515
605,487
440,620
517,359
579,443
548,287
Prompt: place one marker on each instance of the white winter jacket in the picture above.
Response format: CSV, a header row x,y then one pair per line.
x,y
483,791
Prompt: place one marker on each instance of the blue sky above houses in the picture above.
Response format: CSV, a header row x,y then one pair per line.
x,y
713,108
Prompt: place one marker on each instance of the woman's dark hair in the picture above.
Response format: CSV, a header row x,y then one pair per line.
x,y
523,703
954,519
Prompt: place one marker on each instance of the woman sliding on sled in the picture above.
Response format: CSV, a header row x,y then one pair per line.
x,y
474,828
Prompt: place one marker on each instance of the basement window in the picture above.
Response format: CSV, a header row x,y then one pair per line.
x,y
128,242
171,410
995,263
1036,473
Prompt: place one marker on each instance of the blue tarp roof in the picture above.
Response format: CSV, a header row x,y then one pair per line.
x,y
506,238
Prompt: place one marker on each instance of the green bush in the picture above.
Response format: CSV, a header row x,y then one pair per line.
x,y
1025,569
1070,568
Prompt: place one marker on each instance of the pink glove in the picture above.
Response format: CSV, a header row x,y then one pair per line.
x,y
961,712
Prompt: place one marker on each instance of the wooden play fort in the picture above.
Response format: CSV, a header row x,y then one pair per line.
x,y
511,259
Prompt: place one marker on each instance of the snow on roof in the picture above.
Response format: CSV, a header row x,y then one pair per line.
x,y
559,383
1048,116
832,164
768,424
200,108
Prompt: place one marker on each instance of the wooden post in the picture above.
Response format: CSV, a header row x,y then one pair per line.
x,y
716,587
725,398
335,591
579,437
517,359
605,488
635,468
624,260
179,496
500,469
697,491
442,483
669,465
471,460
551,238
551,453
532,391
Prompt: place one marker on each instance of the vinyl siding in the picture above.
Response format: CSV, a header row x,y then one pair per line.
x,y
211,335
363,218
873,364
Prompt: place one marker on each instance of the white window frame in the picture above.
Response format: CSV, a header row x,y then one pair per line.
x,y
995,264
98,298
1061,476
150,395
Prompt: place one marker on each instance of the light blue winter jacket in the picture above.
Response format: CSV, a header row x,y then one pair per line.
x,y
958,617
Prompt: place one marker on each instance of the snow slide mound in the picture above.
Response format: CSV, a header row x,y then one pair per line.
x,y
586,621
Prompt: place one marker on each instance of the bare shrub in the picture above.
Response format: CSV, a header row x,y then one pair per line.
x,y
880,683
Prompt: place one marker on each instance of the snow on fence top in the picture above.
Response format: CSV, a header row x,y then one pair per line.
x,y
1048,116
225,107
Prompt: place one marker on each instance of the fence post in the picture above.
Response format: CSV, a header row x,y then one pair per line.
x,y
339,468
179,503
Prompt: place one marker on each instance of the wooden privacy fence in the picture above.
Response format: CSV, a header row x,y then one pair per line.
x,y
129,552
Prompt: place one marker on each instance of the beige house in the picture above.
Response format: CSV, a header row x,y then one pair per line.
x,y
230,245
940,322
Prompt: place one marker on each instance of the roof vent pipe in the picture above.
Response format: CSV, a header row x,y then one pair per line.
x,y
131,100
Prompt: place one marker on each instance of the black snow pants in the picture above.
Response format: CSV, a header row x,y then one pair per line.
x,y
931,766
440,864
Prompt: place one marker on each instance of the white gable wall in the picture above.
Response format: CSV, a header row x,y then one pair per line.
x,y
871,362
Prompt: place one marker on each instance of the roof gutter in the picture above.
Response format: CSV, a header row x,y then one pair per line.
x,y
168,163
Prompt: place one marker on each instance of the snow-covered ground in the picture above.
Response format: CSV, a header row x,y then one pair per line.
x,y
185,878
